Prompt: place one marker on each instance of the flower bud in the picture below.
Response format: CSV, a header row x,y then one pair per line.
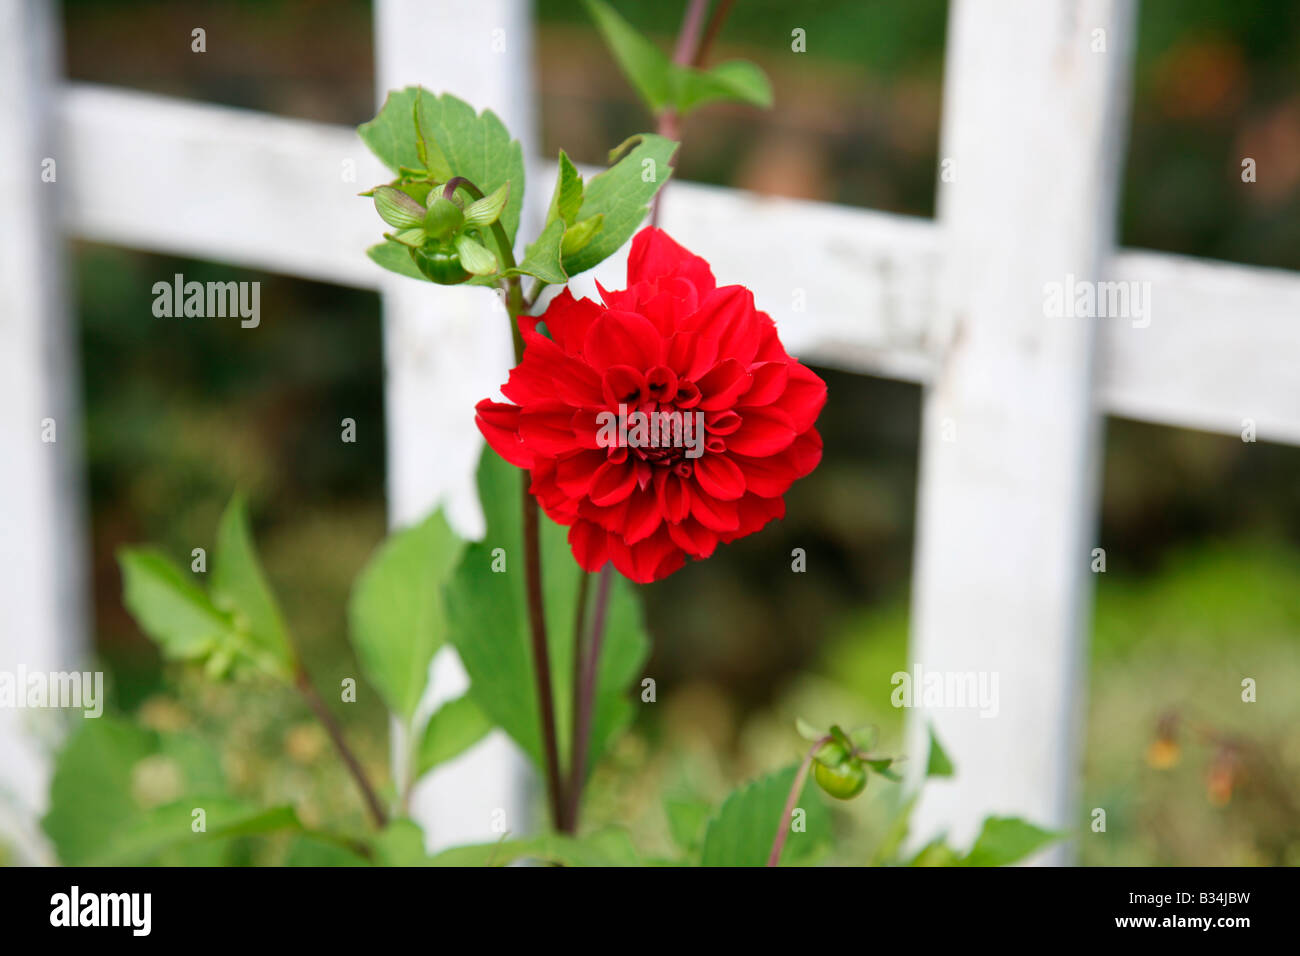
x,y
443,218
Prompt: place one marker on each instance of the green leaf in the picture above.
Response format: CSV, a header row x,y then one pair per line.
x,y
454,727
108,776
474,258
542,258
742,831
567,198
487,611
607,847
313,850
737,81
939,765
396,138
686,821
173,611
396,614
484,212
460,142
646,67
164,830
1006,840
394,257
401,843
622,194
397,208
578,236
807,731
239,587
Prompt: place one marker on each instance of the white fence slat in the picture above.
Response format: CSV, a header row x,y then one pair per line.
x,y
444,350
1009,458
42,549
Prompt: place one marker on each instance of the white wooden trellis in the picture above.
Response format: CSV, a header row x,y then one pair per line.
x,y
1034,121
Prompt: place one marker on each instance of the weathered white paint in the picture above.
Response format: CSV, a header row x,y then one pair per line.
x,y
443,351
1009,447
42,549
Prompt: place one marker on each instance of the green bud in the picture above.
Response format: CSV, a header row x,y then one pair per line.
x,y
577,236
485,211
844,782
443,218
397,208
474,257
831,754
440,263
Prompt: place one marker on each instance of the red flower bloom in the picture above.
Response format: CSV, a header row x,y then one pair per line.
x,y
730,415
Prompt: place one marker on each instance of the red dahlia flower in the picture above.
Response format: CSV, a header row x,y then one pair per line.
x,y
685,354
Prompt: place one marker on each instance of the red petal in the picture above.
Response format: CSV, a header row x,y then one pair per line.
x,y
612,483
728,320
499,424
722,385
655,256
568,318
713,514
769,383
547,428
804,397
720,477
623,338
754,512
764,431
693,538
589,544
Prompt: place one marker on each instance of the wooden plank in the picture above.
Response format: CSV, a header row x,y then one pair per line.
x,y
444,349
43,565
1032,117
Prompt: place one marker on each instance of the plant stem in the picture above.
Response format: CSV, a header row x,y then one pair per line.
x,y
585,693
783,825
302,681
688,50
532,542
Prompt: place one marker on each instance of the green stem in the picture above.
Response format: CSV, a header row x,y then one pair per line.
x,y
584,690
532,540
783,826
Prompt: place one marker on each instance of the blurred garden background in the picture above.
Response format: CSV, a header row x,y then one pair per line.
x,y
1202,532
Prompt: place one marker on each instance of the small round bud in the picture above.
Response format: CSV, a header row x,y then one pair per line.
x,y
844,781
443,218
439,263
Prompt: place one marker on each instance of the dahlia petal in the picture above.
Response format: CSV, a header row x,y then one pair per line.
x,y
768,383
804,397
547,428
689,355
727,318
623,338
623,385
590,545
712,513
575,473
612,483
655,256
722,385
754,512
499,424
693,538
650,560
643,516
764,431
674,496
567,319
720,477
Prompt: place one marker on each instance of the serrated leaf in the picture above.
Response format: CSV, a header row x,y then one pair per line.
x,y
566,200
622,194
394,257
542,258
938,764
742,831
646,67
396,615
454,727
474,145
737,81
1006,840
489,626
239,587
395,137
